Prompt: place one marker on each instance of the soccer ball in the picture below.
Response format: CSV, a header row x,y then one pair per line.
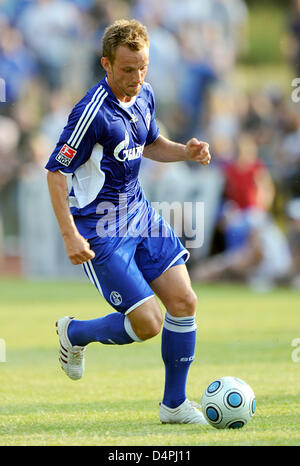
x,y
228,402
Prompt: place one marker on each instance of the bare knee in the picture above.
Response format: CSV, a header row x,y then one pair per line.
x,y
146,321
150,329
184,305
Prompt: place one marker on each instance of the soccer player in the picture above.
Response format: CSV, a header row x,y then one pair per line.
x,y
127,250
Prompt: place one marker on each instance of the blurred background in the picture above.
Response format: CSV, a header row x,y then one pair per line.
x,y
222,71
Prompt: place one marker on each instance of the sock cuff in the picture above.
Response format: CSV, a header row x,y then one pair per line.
x,y
129,330
180,324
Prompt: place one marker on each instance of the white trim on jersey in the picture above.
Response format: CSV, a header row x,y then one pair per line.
x,y
87,180
87,117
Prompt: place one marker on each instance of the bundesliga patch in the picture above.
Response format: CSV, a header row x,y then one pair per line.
x,y
65,155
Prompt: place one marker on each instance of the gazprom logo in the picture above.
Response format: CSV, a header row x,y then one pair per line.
x,y
122,153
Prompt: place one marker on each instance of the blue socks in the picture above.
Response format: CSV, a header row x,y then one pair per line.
x,y
113,329
178,349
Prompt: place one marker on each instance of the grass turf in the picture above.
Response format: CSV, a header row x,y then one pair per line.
x,y
116,403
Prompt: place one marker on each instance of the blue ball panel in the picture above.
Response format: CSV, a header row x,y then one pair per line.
x,y
236,425
234,399
212,414
213,387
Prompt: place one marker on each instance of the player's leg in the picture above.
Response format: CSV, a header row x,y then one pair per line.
x,y
115,328
140,324
162,260
178,344
122,284
174,289
147,319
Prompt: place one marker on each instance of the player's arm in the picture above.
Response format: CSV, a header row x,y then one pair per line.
x,y
164,150
77,248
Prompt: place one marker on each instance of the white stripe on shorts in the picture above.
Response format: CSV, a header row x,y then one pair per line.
x,y
90,271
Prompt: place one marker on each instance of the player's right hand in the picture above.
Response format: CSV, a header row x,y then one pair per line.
x,y
78,249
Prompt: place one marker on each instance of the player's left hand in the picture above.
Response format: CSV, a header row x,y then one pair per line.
x,y
198,151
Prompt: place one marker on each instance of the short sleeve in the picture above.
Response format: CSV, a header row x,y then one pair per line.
x,y
76,142
153,132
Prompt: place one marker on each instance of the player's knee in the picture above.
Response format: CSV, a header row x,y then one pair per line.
x,y
150,327
184,305
147,322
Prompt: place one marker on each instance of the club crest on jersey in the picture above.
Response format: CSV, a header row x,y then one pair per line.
x,y
115,298
122,153
65,155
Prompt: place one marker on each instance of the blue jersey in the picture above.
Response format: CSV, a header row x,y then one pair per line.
x,y
100,151
101,146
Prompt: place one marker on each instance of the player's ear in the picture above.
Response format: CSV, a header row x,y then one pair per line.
x,y
106,64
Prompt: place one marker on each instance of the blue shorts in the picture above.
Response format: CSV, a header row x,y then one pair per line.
x,y
123,279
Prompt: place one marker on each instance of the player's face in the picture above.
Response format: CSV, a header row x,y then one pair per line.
x,y
127,73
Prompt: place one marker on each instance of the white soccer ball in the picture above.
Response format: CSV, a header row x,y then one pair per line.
x,y
228,402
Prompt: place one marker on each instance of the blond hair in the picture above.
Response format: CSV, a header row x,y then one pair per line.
x,y
130,33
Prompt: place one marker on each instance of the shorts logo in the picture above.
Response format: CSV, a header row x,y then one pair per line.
x,y
115,298
65,155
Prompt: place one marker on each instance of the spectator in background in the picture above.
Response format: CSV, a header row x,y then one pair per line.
x,y
9,166
256,251
254,248
247,180
17,63
9,139
201,94
195,76
208,36
293,213
42,249
293,30
288,156
207,55
165,56
99,16
223,123
54,30
55,117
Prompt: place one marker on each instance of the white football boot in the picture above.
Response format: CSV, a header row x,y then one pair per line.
x,y
71,358
186,413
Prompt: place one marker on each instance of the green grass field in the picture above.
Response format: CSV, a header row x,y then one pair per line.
x,y
116,403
